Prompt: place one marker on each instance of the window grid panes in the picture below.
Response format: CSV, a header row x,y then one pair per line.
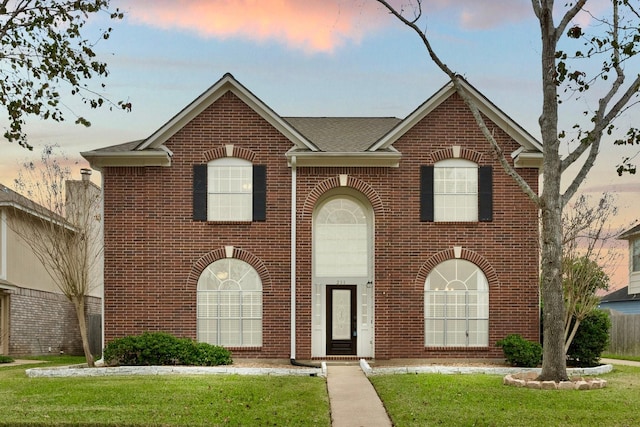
x,y
636,255
455,185
229,304
230,190
456,306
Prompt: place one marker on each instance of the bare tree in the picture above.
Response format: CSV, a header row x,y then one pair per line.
x,y
586,243
63,231
615,45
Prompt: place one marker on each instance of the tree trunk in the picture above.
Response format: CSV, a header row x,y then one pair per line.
x,y
554,364
78,302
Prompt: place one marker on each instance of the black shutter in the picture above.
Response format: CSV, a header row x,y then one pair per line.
x,y
259,193
426,193
199,192
485,194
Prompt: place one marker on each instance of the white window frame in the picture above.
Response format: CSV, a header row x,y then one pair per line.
x,y
455,191
456,305
229,304
635,255
229,189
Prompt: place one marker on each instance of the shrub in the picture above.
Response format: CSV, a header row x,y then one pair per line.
x,y
160,348
591,339
521,352
5,359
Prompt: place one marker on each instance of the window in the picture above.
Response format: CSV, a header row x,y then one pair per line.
x,y
456,190
229,304
635,255
341,239
229,189
456,306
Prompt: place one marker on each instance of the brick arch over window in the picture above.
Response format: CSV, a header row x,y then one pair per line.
x,y
198,267
468,255
220,152
354,183
465,153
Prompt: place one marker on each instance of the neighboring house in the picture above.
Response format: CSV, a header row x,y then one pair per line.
x,y
632,235
35,317
316,237
622,301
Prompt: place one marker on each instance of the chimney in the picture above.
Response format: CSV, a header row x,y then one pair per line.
x,y
86,174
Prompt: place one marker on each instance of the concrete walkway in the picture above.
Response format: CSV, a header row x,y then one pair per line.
x,y
354,401
620,362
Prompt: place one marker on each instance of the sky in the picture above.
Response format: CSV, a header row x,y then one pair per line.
x,y
318,58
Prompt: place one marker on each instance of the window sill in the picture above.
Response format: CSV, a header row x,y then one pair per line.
x,y
243,348
458,348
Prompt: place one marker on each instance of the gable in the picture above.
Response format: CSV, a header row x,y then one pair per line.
x,y
528,155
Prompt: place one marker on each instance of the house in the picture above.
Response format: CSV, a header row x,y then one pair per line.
x,y
621,301
35,317
632,235
318,237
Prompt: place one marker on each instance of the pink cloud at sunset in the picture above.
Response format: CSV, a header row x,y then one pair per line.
x,y
310,25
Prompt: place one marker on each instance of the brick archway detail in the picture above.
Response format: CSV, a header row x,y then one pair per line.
x,y
198,267
221,152
468,255
353,183
465,153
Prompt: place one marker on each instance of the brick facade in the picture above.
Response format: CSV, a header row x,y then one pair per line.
x,y
155,251
46,323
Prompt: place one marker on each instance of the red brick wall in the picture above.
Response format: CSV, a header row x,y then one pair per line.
x,y
152,246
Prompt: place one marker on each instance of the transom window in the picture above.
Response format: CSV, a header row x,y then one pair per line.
x,y
455,190
456,306
229,190
341,239
229,304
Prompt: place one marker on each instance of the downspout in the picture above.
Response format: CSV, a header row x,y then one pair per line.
x,y
294,223
293,256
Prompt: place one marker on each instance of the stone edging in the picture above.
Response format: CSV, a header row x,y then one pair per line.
x,y
529,381
84,371
437,369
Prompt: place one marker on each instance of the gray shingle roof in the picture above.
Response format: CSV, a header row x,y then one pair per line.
x,y
343,134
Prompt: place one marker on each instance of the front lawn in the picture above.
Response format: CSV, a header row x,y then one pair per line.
x,y
162,400
482,400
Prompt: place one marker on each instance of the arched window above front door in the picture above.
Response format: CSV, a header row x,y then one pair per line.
x,y
341,239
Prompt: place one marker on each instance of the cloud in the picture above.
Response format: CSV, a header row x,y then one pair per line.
x,y
483,15
310,25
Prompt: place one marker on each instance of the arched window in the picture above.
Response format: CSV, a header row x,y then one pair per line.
x,y
229,304
456,306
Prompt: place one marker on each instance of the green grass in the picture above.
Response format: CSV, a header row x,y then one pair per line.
x,y
482,400
620,357
161,400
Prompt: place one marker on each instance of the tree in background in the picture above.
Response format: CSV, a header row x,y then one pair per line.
x,y
587,234
566,75
43,53
64,231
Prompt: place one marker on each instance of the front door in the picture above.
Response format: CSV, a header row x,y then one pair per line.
x,y
342,320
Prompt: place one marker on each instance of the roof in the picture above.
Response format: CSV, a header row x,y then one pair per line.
x,y
630,233
10,198
316,141
343,134
620,295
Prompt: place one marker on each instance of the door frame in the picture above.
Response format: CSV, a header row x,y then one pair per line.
x,y
342,347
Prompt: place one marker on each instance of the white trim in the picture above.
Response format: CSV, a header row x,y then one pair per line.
x,y
293,256
229,149
3,244
228,251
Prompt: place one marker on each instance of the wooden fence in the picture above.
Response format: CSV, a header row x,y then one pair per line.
x,y
624,338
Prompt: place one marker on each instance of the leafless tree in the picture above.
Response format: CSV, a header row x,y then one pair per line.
x,y
616,44
63,229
